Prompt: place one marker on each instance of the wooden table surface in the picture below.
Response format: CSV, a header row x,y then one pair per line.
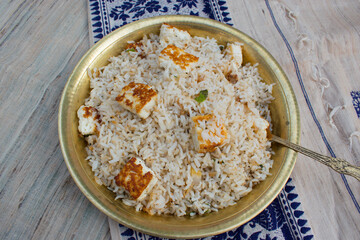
x,y
40,44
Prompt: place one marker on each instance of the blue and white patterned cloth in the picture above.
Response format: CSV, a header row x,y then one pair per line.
x,y
284,217
356,101
108,15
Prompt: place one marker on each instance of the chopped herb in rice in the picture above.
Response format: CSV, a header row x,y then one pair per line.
x,y
203,94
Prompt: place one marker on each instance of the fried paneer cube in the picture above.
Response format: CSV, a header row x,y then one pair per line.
x,y
262,128
234,57
176,57
88,119
207,133
172,35
234,53
138,98
136,178
196,175
261,124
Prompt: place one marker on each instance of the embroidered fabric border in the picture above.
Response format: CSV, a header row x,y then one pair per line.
x,y
108,15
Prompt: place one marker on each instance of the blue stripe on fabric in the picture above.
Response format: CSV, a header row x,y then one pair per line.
x,y
298,74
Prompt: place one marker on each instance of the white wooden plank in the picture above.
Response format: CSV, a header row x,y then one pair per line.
x,y
323,34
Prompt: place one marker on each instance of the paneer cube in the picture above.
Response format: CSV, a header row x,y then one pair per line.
x,y
177,57
207,133
196,175
234,53
88,119
261,124
172,35
136,178
138,98
262,128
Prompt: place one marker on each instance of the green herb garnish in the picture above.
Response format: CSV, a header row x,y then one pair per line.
x,y
202,96
221,47
261,166
130,50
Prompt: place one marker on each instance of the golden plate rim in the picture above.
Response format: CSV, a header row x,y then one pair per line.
x,y
272,191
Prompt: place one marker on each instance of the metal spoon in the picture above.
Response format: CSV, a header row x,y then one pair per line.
x,y
339,165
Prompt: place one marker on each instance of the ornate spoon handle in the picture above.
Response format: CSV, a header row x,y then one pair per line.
x,y
339,165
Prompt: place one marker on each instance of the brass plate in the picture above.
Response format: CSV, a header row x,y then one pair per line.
x,y
285,117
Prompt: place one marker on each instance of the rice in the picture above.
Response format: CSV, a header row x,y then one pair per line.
x,y
189,182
